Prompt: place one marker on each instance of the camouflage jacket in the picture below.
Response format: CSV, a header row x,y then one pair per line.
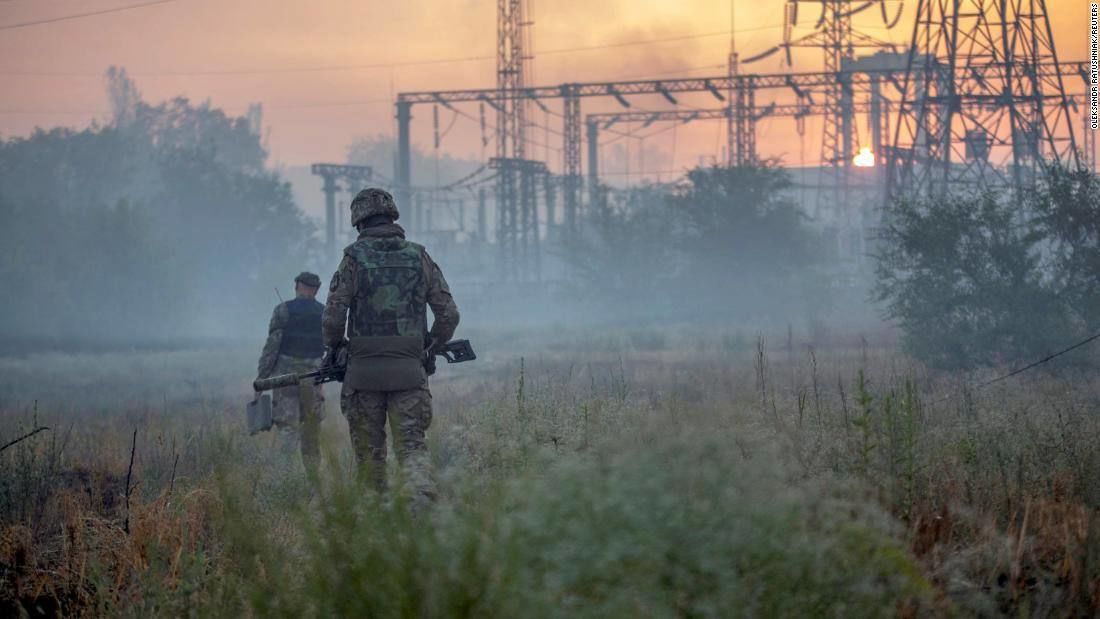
x,y
270,355
342,290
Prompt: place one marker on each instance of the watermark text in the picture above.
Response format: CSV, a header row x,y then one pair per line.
x,y
1094,66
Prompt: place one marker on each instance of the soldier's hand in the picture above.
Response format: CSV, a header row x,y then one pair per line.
x,y
433,347
429,356
336,356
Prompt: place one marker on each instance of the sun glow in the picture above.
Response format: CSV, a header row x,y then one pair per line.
x,y
865,158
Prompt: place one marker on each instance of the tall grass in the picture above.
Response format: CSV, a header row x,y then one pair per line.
x,y
693,477
684,528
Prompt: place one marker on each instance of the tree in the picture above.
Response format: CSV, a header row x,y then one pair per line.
x,y
1067,208
963,276
627,251
727,240
124,96
747,245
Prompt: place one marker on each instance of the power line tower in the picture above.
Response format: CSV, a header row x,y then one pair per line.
x,y
984,102
740,104
835,36
513,226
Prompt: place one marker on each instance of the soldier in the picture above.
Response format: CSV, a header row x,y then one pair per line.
x,y
380,294
294,345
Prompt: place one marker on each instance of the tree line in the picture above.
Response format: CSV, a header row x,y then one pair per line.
x,y
969,278
161,223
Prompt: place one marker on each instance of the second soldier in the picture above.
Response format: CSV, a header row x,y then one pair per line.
x,y
294,346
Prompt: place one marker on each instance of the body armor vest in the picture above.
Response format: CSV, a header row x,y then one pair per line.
x,y
302,333
391,295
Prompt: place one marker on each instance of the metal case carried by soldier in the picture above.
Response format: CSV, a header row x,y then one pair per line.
x,y
258,414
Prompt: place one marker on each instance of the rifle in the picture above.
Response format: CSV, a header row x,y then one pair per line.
x,y
334,367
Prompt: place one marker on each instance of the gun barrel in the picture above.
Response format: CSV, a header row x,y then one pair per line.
x,y
275,382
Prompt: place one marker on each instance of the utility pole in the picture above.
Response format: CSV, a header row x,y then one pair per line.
x,y
740,103
571,157
733,101
592,135
403,167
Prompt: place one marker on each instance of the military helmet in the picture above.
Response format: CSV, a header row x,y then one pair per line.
x,y
371,202
306,278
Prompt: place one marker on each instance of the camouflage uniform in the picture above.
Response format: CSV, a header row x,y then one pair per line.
x,y
294,346
379,295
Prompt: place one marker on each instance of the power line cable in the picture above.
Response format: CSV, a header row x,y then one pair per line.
x,y
369,66
461,181
1029,366
526,139
51,20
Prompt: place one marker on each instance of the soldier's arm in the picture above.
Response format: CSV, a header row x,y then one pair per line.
x,y
334,320
270,354
440,300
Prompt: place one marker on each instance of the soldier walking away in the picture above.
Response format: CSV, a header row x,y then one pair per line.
x,y
294,345
380,294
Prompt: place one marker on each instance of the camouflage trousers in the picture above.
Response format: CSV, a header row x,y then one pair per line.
x,y
298,427
409,413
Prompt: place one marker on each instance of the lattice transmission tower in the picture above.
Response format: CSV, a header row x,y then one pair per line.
x,y
984,101
517,218
740,106
835,36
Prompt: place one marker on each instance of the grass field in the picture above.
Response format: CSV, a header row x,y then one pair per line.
x,y
628,473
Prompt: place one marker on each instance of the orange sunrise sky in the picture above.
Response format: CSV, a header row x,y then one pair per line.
x,y
292,56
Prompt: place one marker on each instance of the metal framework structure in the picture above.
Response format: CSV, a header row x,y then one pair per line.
x,y
518,228
984,102
597,122
571,155
800,84
512,180
330,174
741,99
571,95
835,36
864,83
